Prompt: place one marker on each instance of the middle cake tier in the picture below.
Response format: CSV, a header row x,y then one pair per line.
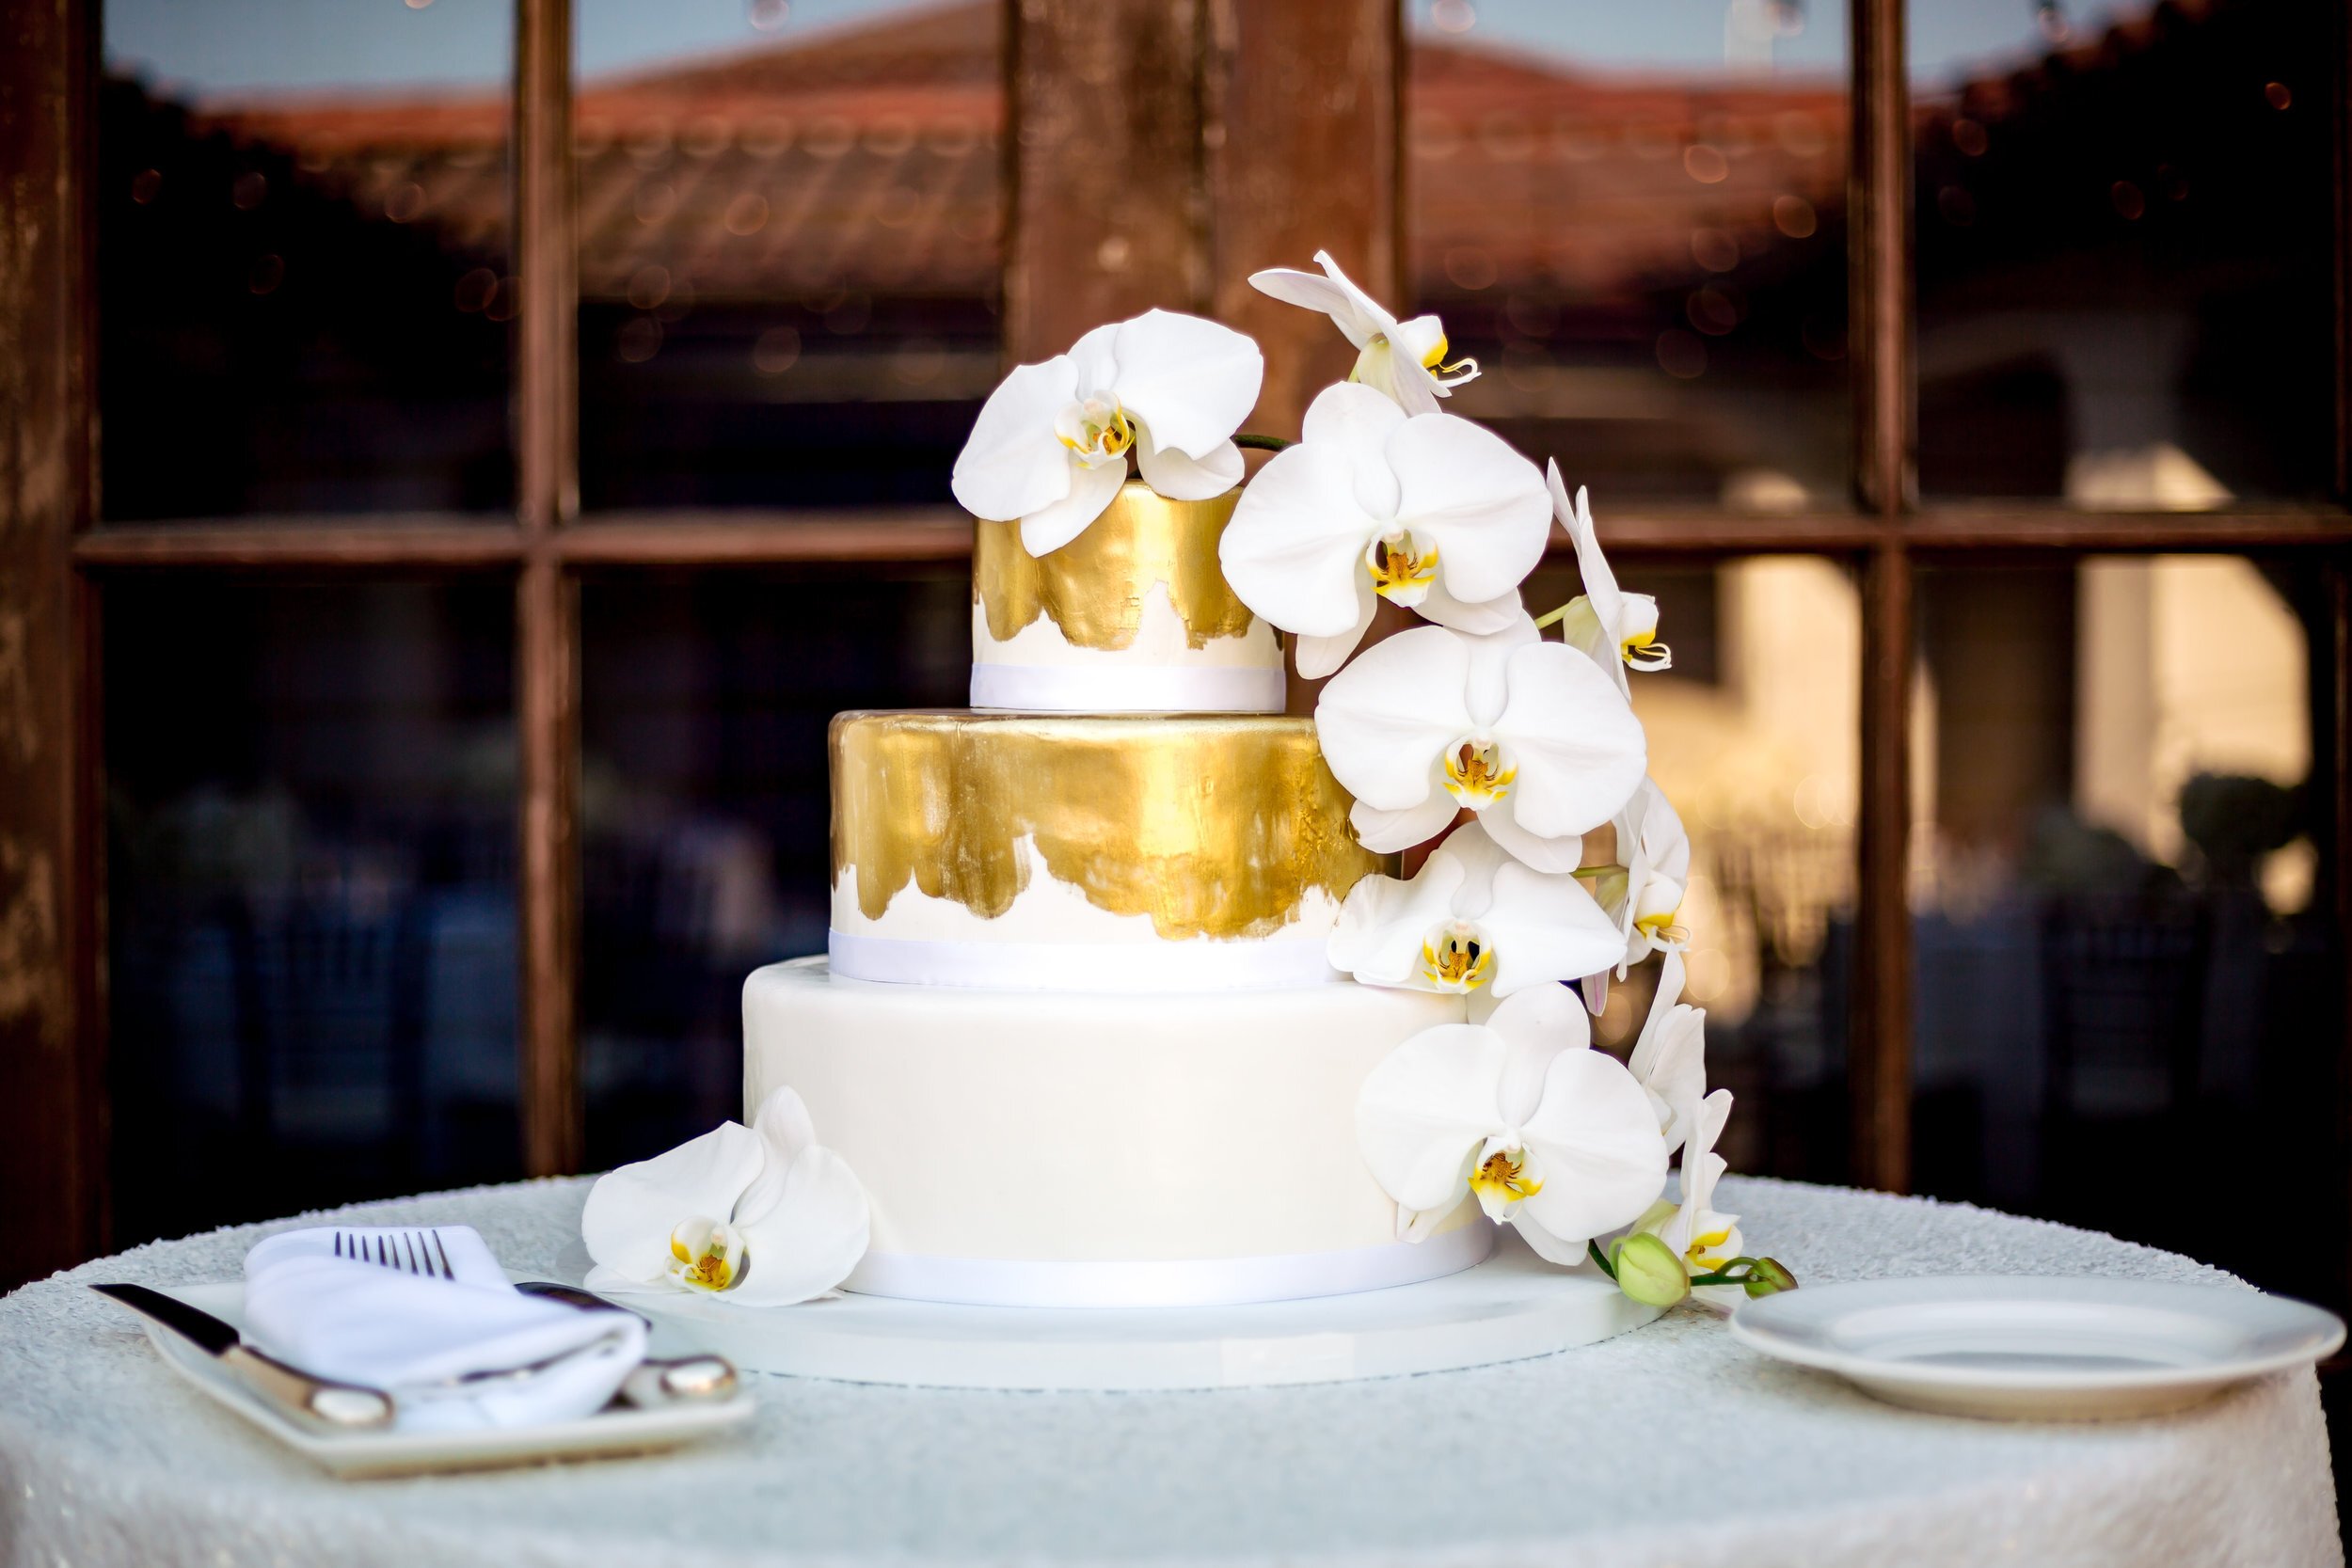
x,y
1129,852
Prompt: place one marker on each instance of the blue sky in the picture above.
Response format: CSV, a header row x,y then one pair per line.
x,y
245,46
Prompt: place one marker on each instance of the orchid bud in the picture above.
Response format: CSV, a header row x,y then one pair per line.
x,y
1648,1270
1768,1277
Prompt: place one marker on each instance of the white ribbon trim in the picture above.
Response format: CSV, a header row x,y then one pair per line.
x,y
1199,964
1128,688
1208,1282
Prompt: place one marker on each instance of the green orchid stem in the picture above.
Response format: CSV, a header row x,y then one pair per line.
x,y
1262,443
1594,1247
1549,619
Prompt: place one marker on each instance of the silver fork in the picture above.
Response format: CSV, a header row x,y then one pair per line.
x,y
417,1252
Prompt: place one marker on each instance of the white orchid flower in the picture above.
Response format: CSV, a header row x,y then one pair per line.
x,y
759,1216
1616,629
1550,1135
1525,733
1669,1058
1694,1229
1472,916
1406,360
1427,511
1050,447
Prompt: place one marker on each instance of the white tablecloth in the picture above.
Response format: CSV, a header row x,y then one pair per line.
x,y
1667,1446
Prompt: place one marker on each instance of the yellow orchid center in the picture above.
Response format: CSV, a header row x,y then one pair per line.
x,y
1474,773
707,1255
1706,1253
1456,957
1662,929
1096,431
1501,1180
1402,568
1433,361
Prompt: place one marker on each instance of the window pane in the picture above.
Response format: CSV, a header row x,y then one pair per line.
x,y
1755,737
707,808
789,239
303,257
2125,220
310,854
1633,216
2127,1011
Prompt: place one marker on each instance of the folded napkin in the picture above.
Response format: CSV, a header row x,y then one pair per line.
x,y
417,1335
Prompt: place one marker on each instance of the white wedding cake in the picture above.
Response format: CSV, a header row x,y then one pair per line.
x,y
1125,1001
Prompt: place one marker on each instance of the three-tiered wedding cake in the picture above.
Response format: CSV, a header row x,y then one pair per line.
x,y
1076,1032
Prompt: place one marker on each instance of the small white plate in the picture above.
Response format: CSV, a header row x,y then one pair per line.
x,y
2035,1348
618,1430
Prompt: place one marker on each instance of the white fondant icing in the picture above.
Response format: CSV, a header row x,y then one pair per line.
x,y
1066,1127
1047,911
1127,689
1128,967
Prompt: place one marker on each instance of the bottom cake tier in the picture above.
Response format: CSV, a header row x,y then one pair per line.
x,y
1067,1149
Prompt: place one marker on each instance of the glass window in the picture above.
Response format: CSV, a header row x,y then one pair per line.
x,y
1755,735
789,238
707,808
310,857
1633,217
2124,249
303,271
2125,959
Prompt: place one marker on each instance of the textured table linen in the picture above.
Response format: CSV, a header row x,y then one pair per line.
x,y
1670,1445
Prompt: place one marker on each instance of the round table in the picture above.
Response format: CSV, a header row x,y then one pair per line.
x,y
1670,1445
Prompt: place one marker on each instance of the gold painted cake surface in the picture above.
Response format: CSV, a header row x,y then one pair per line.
x,y
1217,826
1094,587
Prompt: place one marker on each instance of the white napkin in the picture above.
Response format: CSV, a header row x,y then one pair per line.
x,y
414,1336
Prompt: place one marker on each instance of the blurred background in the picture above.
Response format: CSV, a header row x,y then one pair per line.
x,y
791,223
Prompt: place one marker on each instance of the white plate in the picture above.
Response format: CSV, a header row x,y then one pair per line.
x,y
618,1430
2033,1348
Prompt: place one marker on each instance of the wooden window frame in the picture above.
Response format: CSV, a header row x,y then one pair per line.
x,y
1195,107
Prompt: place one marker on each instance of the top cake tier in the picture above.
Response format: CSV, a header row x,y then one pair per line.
x,y
1132,616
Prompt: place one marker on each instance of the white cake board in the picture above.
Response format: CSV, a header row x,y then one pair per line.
x,y
1511,1307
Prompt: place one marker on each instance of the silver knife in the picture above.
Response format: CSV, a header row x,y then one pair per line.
x,y
344,1406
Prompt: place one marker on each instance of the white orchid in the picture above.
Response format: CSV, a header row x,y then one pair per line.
x,y
1547,1133
1525,733
1655,854
1472,916
1616,629
1429,512
759,1216
1405,360
1669,1058
1050,447
1705,1238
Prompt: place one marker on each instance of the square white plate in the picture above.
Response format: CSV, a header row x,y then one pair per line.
x,y
2038,1348
618,1430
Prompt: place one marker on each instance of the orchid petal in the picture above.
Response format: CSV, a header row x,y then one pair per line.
x,y
1601,1158
1091,492
1190,381
1577,748
1358,420
1378,935
1335,298
632,1211
1538,1023
1317,656
1491,653
809,1240
1424,1112
1481,619
783,1125
1473,849
1560,856
1184,478
1482,503
1383,721
1592,567
1096,357
1292,551
1013,464
1389,833
1544,1244
1555,931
